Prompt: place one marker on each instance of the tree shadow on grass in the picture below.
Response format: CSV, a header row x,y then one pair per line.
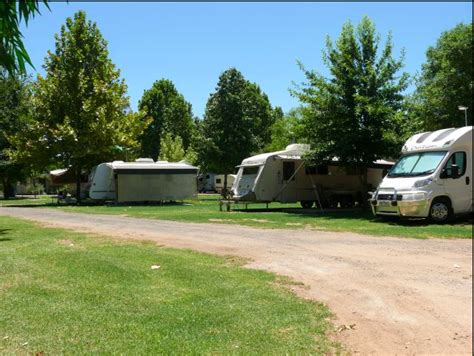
x,y
97,204
357,214
4,232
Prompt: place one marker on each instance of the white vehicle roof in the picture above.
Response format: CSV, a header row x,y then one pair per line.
x,y
293,151
438,140
144,165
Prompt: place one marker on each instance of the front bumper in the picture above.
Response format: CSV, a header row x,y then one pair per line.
x,y
404,208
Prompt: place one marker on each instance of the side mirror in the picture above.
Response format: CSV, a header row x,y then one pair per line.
x,y
444,174
454,171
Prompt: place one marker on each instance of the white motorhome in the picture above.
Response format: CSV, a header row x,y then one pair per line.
x,y
283,177
143,181
431,179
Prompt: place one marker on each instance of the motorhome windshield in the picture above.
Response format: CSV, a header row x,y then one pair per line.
x,y
417,164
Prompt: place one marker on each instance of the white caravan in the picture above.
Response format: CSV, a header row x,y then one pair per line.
x,y
219,182
143,181
283,177
431,179
206,182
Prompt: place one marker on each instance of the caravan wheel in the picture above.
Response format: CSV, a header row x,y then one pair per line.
x,y
306,204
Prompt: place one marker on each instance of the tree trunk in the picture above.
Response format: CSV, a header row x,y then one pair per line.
x,y
8,189
224,191
364,200
78,185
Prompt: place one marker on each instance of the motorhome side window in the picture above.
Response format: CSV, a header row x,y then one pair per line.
x,y
250,171
458,159
288,170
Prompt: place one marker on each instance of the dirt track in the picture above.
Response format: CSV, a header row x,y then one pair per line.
x,y
403,295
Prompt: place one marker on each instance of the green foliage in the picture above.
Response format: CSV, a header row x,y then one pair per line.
x,y
236,123
191,156
13,55
169,112
446,81
171,148
80,105
286,129
351,114
15,111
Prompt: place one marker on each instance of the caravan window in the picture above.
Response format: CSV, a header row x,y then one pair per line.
x,y
321,169
288,170
248,171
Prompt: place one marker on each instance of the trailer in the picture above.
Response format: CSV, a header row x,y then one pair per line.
x,y
143,181
283,176
206,182
432,178
219,182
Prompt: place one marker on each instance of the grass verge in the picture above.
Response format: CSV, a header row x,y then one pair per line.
x,y
64,292
206,210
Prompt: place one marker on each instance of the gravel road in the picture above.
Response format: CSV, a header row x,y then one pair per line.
x,y
395,295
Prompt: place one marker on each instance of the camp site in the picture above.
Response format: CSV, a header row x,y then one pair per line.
x,y
222,178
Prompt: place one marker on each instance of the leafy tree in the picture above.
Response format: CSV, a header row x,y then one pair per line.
x,y
446,81
15,111
351,114
169,112
13,55
286,129
80,105
171,148
236,123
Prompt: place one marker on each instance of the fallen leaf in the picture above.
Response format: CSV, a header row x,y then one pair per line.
x,y
345,327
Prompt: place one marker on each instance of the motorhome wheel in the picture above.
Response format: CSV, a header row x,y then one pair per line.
x,y
440,211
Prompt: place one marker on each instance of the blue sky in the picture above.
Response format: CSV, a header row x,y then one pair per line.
x,y
192,43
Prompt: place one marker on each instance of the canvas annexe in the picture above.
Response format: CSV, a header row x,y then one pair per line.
x,y
143,181
431,179
282,176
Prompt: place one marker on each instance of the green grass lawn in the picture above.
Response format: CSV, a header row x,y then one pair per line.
x,y
206,209
64,292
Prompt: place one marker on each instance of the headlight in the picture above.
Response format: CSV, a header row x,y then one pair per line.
x,y
414,196
422,183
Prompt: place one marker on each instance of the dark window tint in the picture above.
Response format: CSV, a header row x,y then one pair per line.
x,y
317,170
353,171
250,170
459,159
288,170
218,181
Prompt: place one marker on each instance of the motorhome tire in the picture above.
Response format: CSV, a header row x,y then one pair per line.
x,y
441,211
306,204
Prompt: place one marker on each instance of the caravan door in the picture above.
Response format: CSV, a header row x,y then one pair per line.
x,y
288,182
